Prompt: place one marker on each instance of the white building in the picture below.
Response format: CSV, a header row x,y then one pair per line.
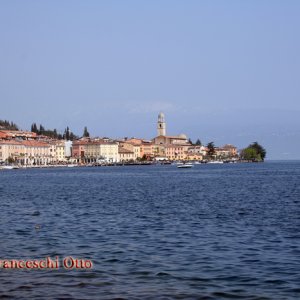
x,y
109,151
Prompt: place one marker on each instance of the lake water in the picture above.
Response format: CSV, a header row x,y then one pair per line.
x,y
154,232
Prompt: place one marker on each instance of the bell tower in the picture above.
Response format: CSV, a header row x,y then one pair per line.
x,y
161,125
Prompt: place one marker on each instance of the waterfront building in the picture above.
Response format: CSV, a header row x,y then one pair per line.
x,y
147,149
110,151
37,153
26,152
125,155
59,151
197,150
176,152
132,146
227,151
92,151
231,149
159,150
89,151
11,150
78,150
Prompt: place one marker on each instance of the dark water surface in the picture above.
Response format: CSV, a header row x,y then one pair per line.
x,y
154,232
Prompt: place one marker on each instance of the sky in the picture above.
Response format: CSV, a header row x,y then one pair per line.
x,y
221,71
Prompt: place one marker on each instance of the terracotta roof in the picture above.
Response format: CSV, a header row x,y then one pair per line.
x,y
171,137
229,146
176,145
11,142
122,150
13,133
80,142
35,144
2,135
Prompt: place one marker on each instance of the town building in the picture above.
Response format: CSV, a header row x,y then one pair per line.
x,y
132,145
147,150
59,151
227,151
11,151
125,155
95,150
176,152
37,153
25,152
198,150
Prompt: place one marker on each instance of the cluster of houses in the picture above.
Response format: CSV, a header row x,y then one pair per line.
x,y
28,148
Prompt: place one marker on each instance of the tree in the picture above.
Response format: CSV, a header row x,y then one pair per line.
x,y
34,128
259,149
67,134
42,129
198,142
249,154
55,135
254,152
190,141
211,149
85,132
72,136
10,160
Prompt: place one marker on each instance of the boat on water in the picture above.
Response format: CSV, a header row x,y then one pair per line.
x,y
185,166
215,162
9,167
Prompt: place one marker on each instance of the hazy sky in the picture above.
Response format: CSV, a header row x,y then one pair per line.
x,y
223,71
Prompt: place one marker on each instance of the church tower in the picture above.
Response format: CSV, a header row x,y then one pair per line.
x,y
161,125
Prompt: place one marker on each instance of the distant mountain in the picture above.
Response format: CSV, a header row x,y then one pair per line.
x,y
6,125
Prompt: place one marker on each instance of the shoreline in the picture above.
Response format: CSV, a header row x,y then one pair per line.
x,y
151,163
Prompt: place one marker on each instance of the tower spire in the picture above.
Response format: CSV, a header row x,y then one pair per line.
x,y
161,124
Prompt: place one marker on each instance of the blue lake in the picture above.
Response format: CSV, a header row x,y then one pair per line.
x,y
154,232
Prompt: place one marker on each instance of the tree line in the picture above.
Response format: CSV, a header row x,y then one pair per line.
x,y
66,135
4,124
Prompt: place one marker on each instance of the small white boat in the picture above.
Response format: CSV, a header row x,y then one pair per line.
x,y
72,165
7,167
215,162
185,166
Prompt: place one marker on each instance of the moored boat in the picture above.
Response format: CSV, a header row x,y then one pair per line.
x,y
8,167
185,166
